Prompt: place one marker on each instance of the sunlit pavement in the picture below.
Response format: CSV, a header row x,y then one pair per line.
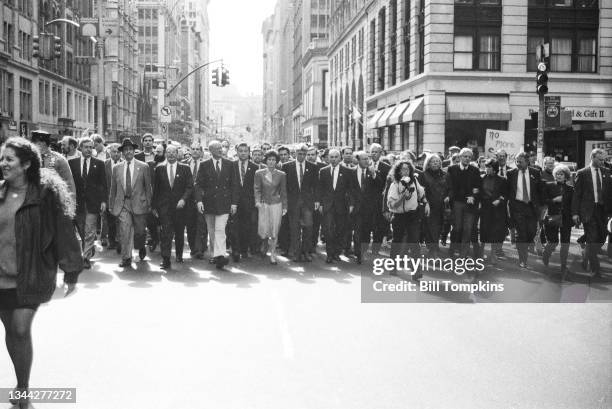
x,y
298,336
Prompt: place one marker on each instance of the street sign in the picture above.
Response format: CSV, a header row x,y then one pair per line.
x,y
164,128
552,109
165,114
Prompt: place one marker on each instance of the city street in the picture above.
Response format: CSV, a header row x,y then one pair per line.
x,y
298,336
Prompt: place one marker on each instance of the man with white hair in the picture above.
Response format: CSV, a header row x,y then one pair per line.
x,y
464,183
196,225
216,195
592,200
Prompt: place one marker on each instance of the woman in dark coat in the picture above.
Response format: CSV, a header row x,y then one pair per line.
x,y
36,236
558,223
493,209
434,181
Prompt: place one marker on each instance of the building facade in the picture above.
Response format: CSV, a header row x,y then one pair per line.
x,y
54,95
278,96
442,73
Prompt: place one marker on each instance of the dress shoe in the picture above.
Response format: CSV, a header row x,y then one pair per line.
x,y
165,264
236,257
329,260
86,264
336,257
142,253
104,242
359,259
307,258
179,259
244,254
297,259
522,264
199,256
221,262
126,263
152,246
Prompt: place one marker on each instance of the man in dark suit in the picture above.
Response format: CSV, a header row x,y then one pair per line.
x,y
464,183
502,158
317,218
197,234
284,234
592,193
336,197
216,195
244,226
524,183
153,222
367,184
302,179
91,196
381,224
109,220
173,188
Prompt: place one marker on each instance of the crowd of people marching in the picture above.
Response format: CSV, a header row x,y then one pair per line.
x,y
260,200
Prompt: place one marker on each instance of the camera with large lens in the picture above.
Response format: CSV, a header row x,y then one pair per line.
x,y
407,182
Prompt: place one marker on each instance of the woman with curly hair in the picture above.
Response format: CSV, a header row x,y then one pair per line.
x,y
36,236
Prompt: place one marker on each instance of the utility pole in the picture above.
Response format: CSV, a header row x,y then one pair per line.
x,y
542,54
100,45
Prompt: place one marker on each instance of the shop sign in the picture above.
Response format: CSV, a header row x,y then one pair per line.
x,y
509,141
552,108
590,114
590,145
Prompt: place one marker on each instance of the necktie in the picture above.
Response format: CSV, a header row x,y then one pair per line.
x,y
171,176
195,170
301,174
128,181
84,174
599,195
363,178
218,168
242,172
525,192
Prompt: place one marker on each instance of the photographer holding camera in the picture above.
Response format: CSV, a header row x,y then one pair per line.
x,y
405,195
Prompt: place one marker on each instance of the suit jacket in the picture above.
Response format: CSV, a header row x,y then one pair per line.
x,y
165,198
367,195
141,188
270,192
456,182
583,201
108,170
246,195
344,195
140,156
308,190
90,191
217,192
535,185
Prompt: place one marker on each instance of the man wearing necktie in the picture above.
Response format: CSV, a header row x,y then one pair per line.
x,y
130,201
366,185
525,188
244,223
591,202
91,196
336,197
173,188
197,233
302,182
216,195
109,222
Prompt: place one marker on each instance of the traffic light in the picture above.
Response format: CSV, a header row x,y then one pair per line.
x,y
35,47
542,78
224,77
215,75
57,47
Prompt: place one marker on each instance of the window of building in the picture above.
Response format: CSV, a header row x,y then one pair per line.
x,y
372,57
382,24
6,95
69,113
406,39
154,31
572,34
41,97
393,41
47,99
25,99
141,14
154,14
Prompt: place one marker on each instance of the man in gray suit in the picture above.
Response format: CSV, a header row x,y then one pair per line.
x,y
130,201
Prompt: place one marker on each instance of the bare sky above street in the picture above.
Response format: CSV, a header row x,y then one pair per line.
x,y
235,36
